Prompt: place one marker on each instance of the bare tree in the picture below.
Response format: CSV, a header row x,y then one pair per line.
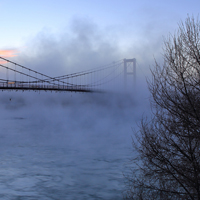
x,y
168,145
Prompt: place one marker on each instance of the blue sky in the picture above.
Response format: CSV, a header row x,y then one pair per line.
x,y
23,19
129,27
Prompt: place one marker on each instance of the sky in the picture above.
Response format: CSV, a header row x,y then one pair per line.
x,y
70,33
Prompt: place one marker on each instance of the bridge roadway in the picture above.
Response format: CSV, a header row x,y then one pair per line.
x,y
38,87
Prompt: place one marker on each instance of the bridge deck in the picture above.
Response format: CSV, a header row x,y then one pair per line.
x,y
48,88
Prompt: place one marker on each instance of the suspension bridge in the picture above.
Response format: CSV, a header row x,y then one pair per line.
x,y
16,77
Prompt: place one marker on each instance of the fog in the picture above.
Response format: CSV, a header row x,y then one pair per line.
x,y
82,45
86,114
78,143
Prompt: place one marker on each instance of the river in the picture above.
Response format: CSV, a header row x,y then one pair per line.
x,y
57,146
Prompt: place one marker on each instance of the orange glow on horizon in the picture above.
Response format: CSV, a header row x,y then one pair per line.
x,y
7,54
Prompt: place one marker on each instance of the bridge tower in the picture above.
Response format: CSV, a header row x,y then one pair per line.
x,y
130,69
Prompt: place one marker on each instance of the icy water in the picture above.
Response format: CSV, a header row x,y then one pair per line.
x,y
65,146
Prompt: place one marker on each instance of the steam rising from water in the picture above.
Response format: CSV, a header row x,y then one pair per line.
x,y
81,120
65,145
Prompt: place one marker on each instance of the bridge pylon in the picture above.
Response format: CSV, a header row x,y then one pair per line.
x,y
130,70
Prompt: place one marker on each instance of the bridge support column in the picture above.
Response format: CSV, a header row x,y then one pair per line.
x,y
130,69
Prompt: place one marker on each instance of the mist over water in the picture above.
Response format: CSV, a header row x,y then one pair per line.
x,y
65,145
70,145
